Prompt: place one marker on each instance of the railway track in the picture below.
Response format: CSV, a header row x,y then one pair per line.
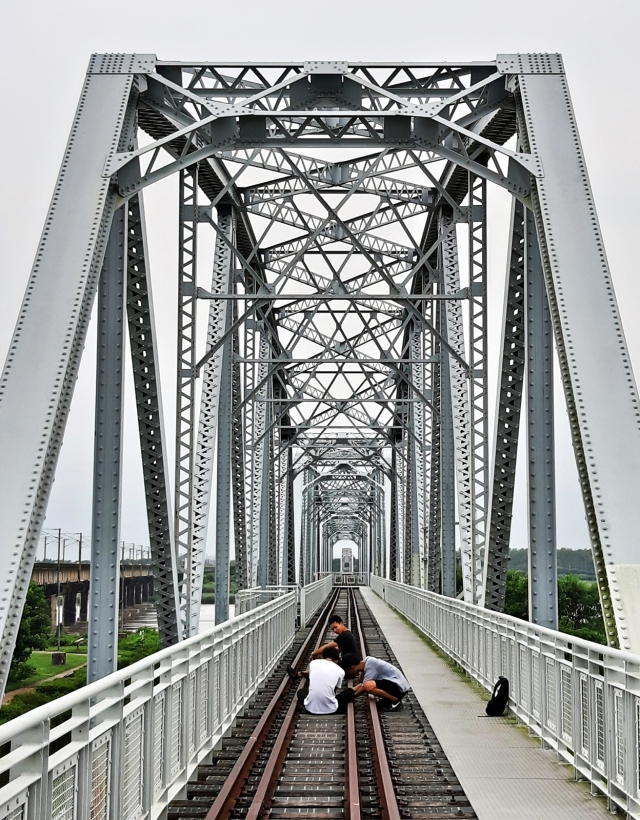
x,y
281,763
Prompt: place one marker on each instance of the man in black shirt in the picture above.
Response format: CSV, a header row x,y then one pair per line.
x,y
344,641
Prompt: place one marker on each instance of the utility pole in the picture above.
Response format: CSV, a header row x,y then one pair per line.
x,y
58,612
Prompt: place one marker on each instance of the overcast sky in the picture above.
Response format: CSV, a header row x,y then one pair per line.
x,y
45,50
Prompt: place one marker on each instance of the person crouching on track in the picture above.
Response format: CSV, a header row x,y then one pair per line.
x,y
344,641
380,679
318,695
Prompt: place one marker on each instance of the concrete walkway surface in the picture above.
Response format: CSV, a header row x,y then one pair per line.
x,y
504,772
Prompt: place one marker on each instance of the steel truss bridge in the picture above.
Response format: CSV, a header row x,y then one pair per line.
x,y
332,366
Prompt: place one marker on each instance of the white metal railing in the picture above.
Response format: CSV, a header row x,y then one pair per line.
x,y
312,597
350,579
580,698
125,746
247,599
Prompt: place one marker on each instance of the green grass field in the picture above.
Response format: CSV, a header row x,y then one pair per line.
x,y
42,662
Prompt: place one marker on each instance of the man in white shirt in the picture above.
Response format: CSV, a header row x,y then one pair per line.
x,y
319,697
379,678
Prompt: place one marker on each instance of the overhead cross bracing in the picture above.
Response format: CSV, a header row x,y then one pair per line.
x,y
341,375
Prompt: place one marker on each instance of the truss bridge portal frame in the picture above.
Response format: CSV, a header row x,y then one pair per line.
x,y
344,358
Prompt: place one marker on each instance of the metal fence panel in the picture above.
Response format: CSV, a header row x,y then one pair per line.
x,y
312,597
136,736
580,698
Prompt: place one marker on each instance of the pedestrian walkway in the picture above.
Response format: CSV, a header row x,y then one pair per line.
x,y
504,772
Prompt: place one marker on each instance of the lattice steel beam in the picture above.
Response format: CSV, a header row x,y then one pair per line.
x,y
144,358
336,318
104,582
505,446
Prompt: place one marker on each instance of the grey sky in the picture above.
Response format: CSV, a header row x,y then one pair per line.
x,y
46,47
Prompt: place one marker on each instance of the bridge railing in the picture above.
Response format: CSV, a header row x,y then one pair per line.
x,y
125,746
247,599
582,699
351,579
312,597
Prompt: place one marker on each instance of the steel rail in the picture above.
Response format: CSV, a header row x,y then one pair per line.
x,y
269,780
386,791
352,785
232,787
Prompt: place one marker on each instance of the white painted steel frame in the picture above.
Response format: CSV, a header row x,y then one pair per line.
x,y
580,698
133,739
410,125
104,585
44,355
599,385
312,596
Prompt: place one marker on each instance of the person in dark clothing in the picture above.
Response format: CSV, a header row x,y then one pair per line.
x,y
318,694
344,643
344,640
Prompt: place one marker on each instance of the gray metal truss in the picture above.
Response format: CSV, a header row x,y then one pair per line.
x,y
543,565
104,586
44,354
190,558
507,427
460,408
336,347
220,314
153,445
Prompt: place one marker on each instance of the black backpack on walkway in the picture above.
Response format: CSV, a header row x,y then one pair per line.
x,y
499,699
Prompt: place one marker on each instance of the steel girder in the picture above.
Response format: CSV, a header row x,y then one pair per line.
x,y
153,445
190,557
342,335
460,409
104,586
599,386
543,565
510,391
220,315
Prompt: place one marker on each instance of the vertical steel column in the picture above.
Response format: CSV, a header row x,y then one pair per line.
x,y
289,556
280,466
305,546
460,408
144,357
393,527
478,397
434,537
208,422
104,577
259,511
599,385
264,562
505,445
407,553
223,478
382,530
401,509
250,370
186,385
543,564
51,330
417,442
273,525
315,535
447,481
303,524
243,566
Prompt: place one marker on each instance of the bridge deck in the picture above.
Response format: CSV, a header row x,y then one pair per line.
x,y
503,771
